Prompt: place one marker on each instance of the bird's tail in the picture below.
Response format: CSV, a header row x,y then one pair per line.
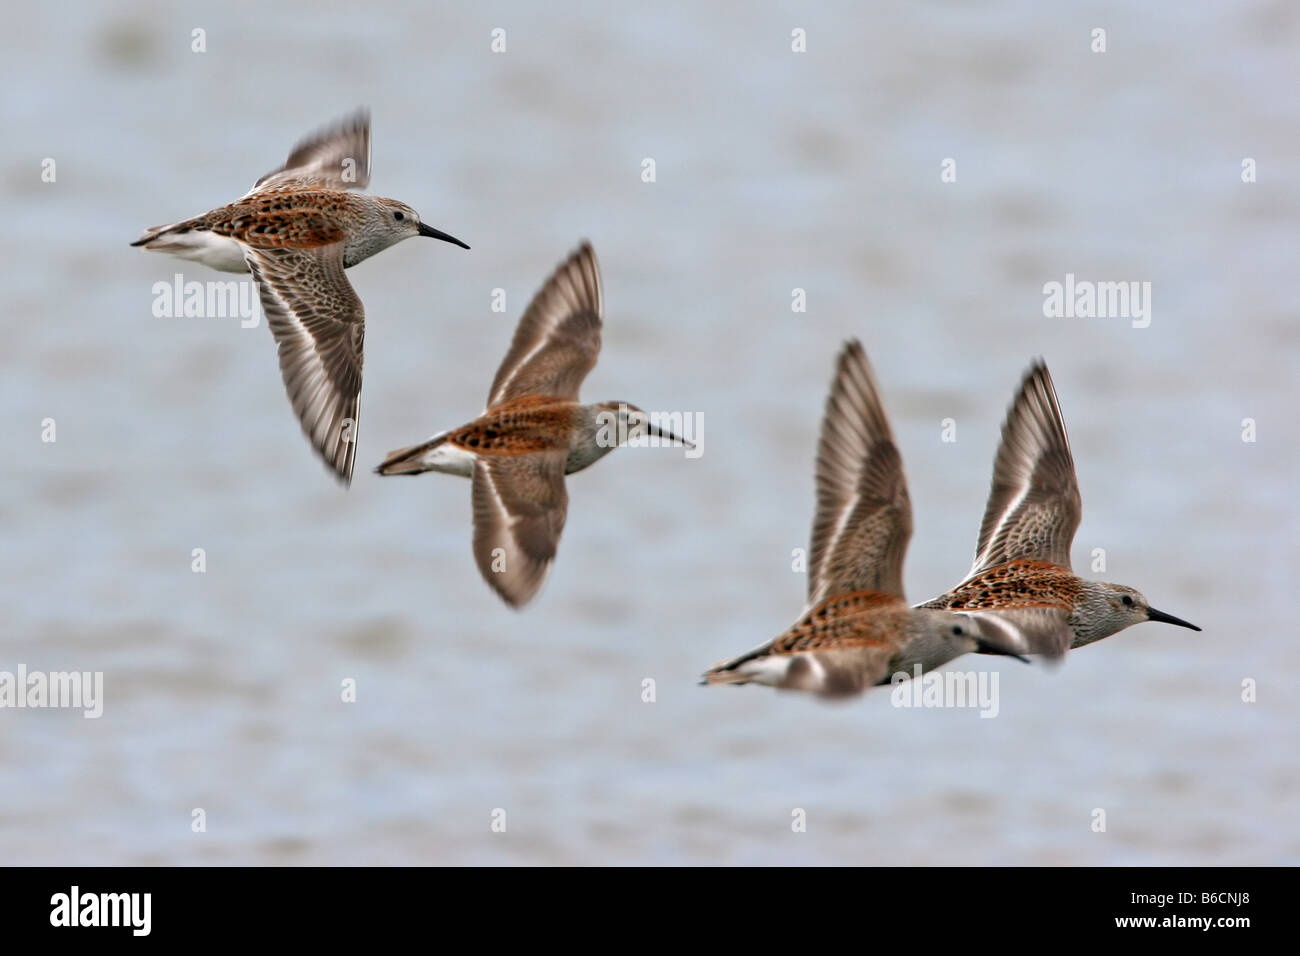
x,y
155,236
731,671
411,460
722,675
186,240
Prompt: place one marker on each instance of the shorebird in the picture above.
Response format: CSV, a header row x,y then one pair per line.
x,y
533,432
857,630
1021,578
296,230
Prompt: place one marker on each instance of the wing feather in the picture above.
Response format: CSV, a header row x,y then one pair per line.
x,y
336,156
319,324
519,505
863,519
1034,507
558,339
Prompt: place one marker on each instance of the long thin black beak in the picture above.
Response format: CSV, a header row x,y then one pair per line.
x,y
439,234
1163,618
986,647
666,435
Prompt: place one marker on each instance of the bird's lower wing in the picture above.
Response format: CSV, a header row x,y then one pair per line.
x,y
519,505
319,324
1029,630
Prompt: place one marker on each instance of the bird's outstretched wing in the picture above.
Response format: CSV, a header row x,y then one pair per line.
x,y
319,323
558,339
519,504
863,519
336,156
1034,507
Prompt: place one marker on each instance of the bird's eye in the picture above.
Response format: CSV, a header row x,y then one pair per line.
x,y
1128,601
956,629
398,216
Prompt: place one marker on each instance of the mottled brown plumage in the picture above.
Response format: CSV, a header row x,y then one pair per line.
x,y
1022,582
846,620
521,426
300,219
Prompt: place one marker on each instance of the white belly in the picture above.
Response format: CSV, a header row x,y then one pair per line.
x,y
214,251
448,459
774,671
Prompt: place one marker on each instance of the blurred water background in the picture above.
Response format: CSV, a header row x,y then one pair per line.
x,y
775,170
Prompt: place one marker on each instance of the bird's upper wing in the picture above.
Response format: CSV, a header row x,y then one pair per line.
x,y
864,517
319,323
1033,508
558,339
336,156
519,505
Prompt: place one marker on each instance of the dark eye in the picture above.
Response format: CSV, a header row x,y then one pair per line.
x,y
1128,601
956,629
398,216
